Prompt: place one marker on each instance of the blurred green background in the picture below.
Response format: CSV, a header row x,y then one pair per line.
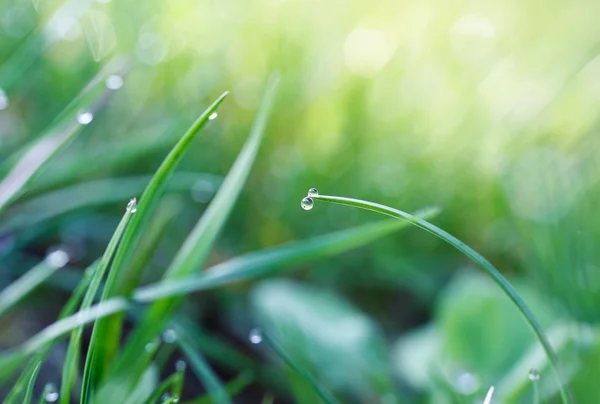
x,y
487,109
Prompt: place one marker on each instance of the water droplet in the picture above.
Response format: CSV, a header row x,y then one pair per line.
x,y
114,82
467,383
132,205
169,336
51,394
313,192
255,336
180,365
175,399
57,258
151,346
165,397
307,203
212,116
3,100
84,116
534,374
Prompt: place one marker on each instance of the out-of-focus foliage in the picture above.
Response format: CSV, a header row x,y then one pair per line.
x,y
488,109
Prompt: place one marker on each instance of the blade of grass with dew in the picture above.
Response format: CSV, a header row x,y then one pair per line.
x,y
238,269
43,150
19,289
203,371
195,249
93,193
233,388
106,334
69,308
164,387
323,393
32,379
71,364
500,280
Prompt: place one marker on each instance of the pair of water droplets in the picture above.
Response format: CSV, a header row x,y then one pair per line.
x,y
308,202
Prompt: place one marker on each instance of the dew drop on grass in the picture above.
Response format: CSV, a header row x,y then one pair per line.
x,y
114,82
255,336
175,399
169,336
313,192
212,116
165,397
151,346
180,365
51,394
57,258
3,100
307,203
534,374
84,116
132,205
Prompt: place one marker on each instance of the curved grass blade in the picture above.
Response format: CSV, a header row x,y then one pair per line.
x,y
164,388
195,249
67,310
205,374
93,193
32,379
71,365
121,279
478,259
323,393
19,289
245,267
233,388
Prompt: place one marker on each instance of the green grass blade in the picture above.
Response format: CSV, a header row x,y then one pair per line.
x,y
19,289
65,129
93,193
478,259
245,267
205,374
71,365
195,249
323,393
68,309
121,280
32,379
233,388
164,387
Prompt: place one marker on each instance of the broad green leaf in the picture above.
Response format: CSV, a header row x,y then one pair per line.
x,y
195,249
478,259
121,279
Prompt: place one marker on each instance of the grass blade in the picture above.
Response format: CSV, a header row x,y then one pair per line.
x,y
205,374
121,280
164,387
245,267
93,193
71,365
478,259
233,388
32,379
195,249
16,291
323,393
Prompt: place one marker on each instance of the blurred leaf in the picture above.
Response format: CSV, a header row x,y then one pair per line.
x,y
30,385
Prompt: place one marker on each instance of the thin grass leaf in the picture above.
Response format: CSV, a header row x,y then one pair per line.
x,y
69,308
165,386
245,267
64,129
478,259
32,379
19,289
321,391
205,374
71,365
195,249
233,388
121,280
89,194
